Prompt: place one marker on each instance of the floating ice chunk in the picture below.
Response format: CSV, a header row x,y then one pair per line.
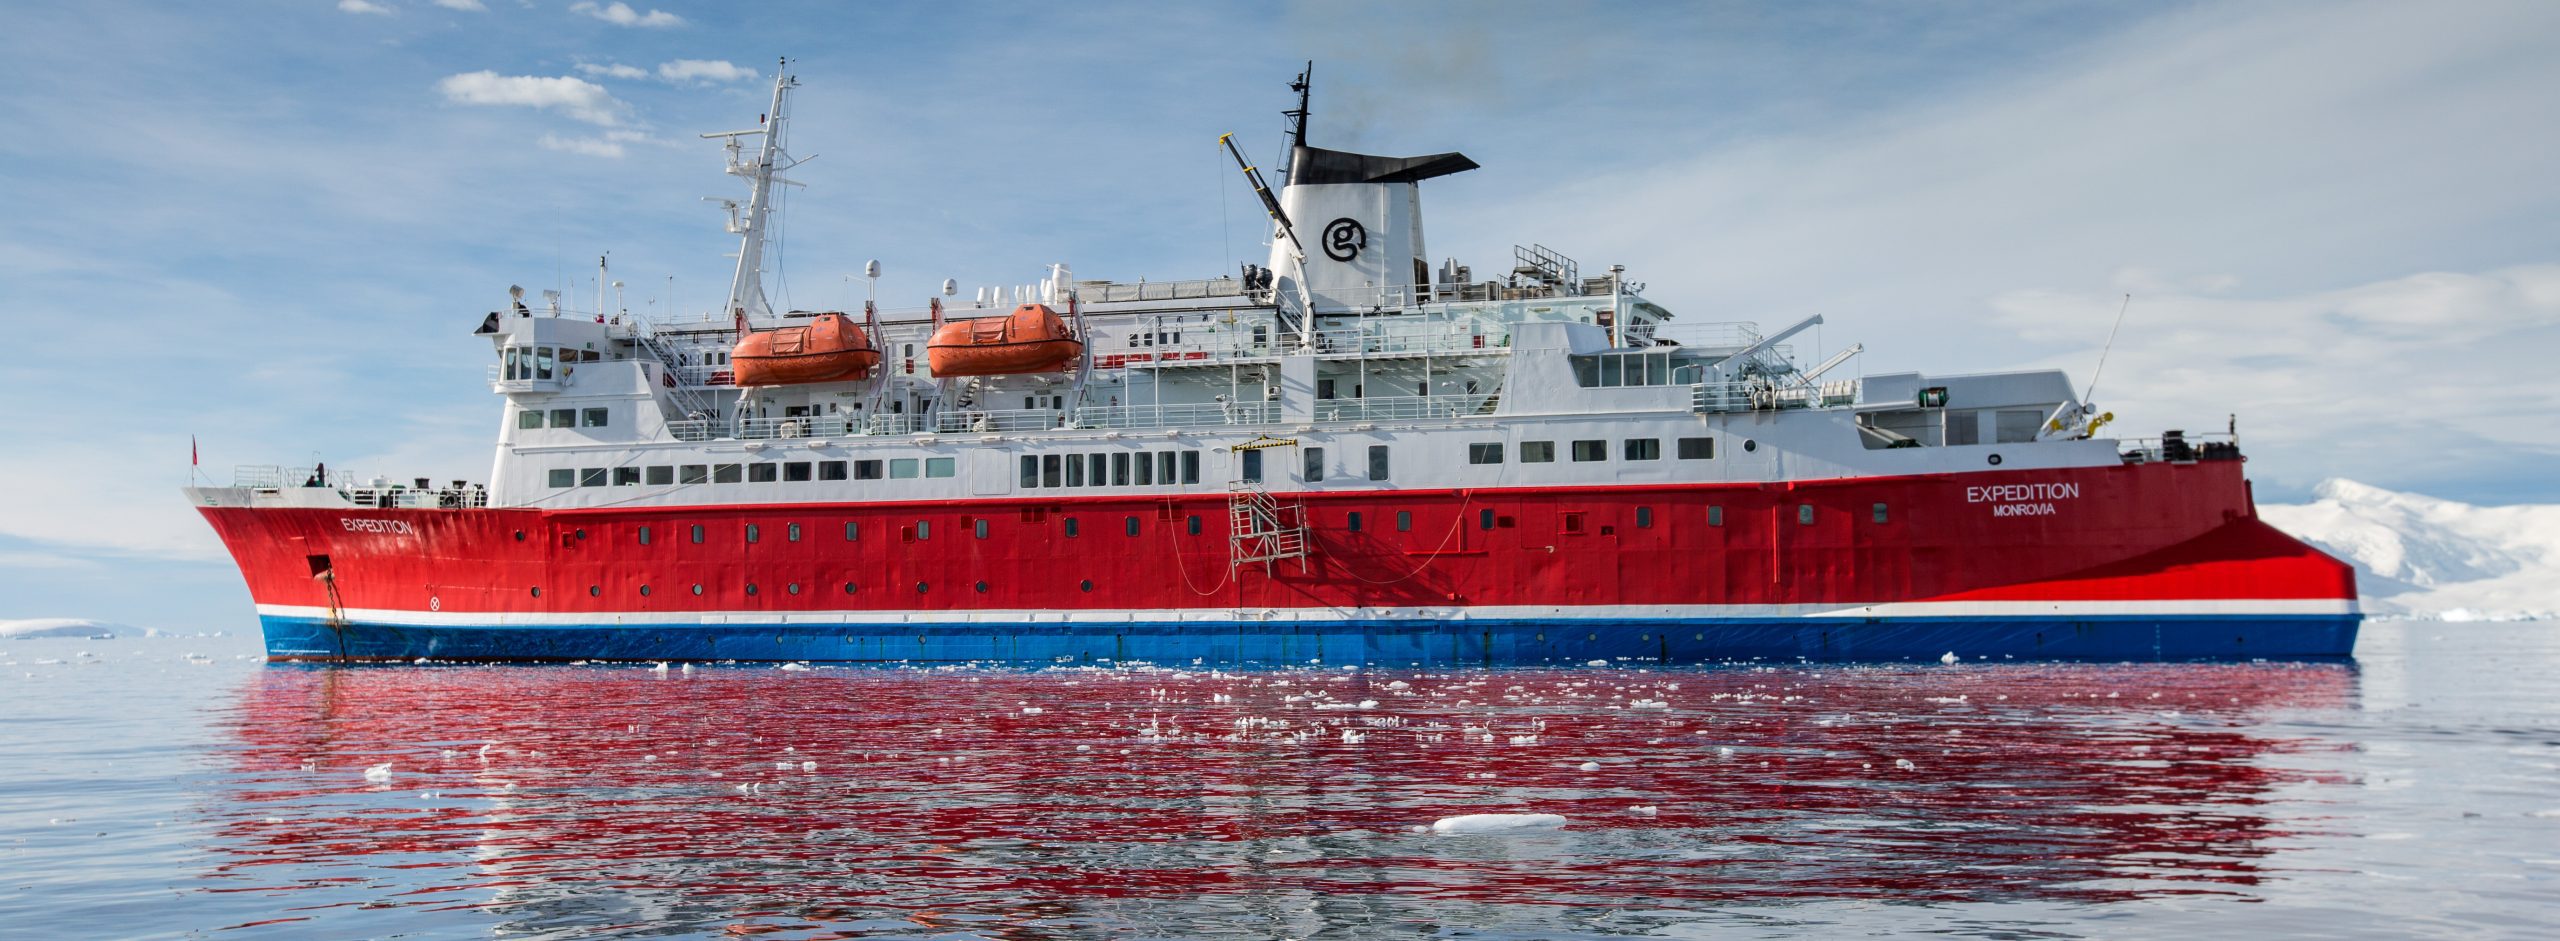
x,y
1904,764
1368,704
1032,710
380,772
1590,766
795,667
1597,663
660,668
1949,657
1354,736
1493,823
1645,810
808,766
688,668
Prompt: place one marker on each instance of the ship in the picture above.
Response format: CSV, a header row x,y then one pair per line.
x,y
1346,455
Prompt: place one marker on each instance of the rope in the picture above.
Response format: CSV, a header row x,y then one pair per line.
x,y
2109,348
1455,526
1176,547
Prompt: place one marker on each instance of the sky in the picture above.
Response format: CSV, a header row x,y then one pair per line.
x,y
270,227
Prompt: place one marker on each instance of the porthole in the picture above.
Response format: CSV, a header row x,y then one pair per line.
x,y
1995,460
1644,637
751,589
850,588
1595,637
793,588
982,586
580,533
1542,635
1087,584
595,591
537,591
1750,445
922,587
644,591
1698,636
519,535
697,588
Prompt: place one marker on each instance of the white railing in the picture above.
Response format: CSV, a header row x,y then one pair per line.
x,y
698,429
1167,416
757,429
893,424
1760,396
1009,419
1094,293
1387,338
275,476
1399,408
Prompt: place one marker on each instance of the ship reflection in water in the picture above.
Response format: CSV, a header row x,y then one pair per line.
x,y
603,800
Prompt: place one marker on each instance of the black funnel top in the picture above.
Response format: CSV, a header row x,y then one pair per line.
x,y
1312,165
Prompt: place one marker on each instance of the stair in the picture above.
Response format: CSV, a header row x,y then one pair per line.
x,y
1260,529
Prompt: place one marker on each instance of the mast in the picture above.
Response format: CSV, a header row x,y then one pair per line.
x,y
746,290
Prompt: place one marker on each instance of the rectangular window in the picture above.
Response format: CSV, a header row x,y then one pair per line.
x,y
1120,469
866,470
591,477
793,532
1572,523
753,533
1591,450
1252,466
1484,453
852,531
1351,521
1194,525
795,471
1131,524
563,477
644,535
529,418
1164,467
1075,470
1964,426
1697,449
626,477
1051,474
1324,388
1314,470
902,468
1404,521
1484,519
694,474
1804,513
1146,469
1097,469
941,466
1537,452
1881,515
1190,467
1071,527
830,470
661,475
595,417
981,527
727,473
1643,449
542,357
1377,462
1715,516
1030,471
763,473
697,534
1644,517
924,530
564,418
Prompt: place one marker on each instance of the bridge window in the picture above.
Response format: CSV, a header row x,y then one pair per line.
x,y
796,471
626,477
661,475
595,417
542,370
1590,451
591,477
1537,452
694,474
1314,459
1377,462
564,418
866,470
902,468
563,477
1643,449
726,473
1697,449
830,470
1484,453
529,418
763,473
940,466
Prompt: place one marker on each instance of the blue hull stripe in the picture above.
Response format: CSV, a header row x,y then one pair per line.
x,y
2133,637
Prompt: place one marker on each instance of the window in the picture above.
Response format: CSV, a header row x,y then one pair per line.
x,y
940,466
1697,449
792,532
924,530
1351,521
1314,470
1881,515
697,539
981,526
1324,388
902,468
727,473
1190,467
1642,449
763,473
1964,426
662,475
595,417
1252,467
1070,527
694,474
830,470
644,535
1193,524
1571,523
1164,467
1051,473
626,477
1644,517
1120,469
1484,519
1591,450
591,477
1537,452
1804,513
866,470
564,417
1075,470
1377,462
542,370
529,418
1030,471
852,530
1404,521
563,477
1097,469
1146,469
796,471
1131,524
1715,516
1484,453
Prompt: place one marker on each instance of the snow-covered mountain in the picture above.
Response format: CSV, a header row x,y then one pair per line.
x,y
2418,556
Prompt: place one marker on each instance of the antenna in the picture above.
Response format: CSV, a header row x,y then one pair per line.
x,y
1298,118
2102,352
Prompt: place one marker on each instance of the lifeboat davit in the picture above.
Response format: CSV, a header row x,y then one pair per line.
x,y
829,348
1031,339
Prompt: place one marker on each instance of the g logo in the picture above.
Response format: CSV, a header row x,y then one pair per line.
x,y
1344,238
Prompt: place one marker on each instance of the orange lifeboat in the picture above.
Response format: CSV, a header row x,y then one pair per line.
x,y
829,348
1032,339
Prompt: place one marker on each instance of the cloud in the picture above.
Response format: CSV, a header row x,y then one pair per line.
x,y
621,14
615,70
468,5
363,6
575,97
705,71
589,146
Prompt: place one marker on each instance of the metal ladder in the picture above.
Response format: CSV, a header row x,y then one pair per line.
x,y
690,402
1260,529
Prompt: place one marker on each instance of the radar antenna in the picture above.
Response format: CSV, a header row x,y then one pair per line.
x,y
1298,118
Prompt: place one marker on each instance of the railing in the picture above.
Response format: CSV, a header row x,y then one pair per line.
x,y
757,429
893,424
2210,446
1100,293
377,495
1162,416
1400,408
497,377
276,476
404,498
1760,396
1386,338
1013,419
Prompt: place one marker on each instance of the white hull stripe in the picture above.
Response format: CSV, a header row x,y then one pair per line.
x,y
1908,609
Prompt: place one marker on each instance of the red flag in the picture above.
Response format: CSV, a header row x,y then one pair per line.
x,y
191,452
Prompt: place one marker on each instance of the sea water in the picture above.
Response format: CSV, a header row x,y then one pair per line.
x,y
178,787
